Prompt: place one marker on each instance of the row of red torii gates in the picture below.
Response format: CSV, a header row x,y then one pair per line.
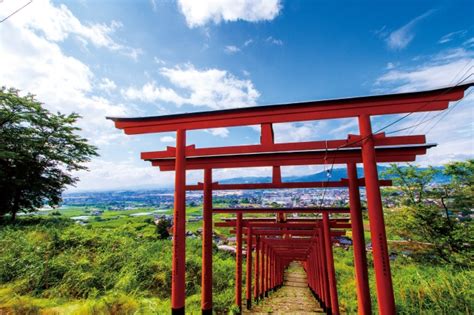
x,y
278,241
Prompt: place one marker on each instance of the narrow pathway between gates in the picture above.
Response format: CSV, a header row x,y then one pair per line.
x,y
294,297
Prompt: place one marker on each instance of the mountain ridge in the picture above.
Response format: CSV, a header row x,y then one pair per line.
x,y
335,175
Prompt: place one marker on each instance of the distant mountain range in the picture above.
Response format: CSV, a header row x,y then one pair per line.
x,y
335,175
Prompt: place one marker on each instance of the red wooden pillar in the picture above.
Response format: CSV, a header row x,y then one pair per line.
x,y
238,263
273,274
206,276
324,269
248,292
360,259
178,283
317,277
314,267
320,270
310,271
264,269
383,277
270,268
257,268
330,265
314,263
267,277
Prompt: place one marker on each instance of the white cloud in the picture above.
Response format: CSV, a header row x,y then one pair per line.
x,y
219,132
107,85
450,36
231,49
159,61
453,54
122,174
390,66
401,37
33,61
453,130
469,42
213,88
168,139
57,23
294,132
199,13
150,93
248,42
274,41
428,76
154,5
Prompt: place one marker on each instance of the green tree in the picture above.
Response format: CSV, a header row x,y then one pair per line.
x,y
39,150
412,181
429,213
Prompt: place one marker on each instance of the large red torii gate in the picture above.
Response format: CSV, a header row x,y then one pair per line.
x,y
366,148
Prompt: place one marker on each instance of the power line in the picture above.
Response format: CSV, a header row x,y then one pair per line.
x,y
395,122
430,119
16,11
427,114
446,113
389,125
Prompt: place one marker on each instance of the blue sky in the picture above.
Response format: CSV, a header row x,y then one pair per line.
x,y
136,58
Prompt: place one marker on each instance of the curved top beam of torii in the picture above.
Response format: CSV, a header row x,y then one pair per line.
x,y
431,100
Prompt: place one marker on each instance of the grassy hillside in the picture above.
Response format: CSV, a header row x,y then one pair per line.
x,y
116,265
54,266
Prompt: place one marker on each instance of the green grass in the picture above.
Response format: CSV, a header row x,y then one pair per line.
x,y
51,265
419,288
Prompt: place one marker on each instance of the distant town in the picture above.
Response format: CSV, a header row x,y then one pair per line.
x,y
163,198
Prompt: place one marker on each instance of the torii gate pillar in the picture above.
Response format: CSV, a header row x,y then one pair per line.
x,y
383,278
206,280
238,263
178,283
360,258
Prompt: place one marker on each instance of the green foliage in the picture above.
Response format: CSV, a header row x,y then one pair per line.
x,y
418,288
98,270
38,152
412,180
432,216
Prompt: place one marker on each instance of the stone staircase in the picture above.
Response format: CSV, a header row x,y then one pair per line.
x,y
294,297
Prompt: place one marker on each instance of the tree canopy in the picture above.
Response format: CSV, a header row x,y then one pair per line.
x,y
39,151
437,215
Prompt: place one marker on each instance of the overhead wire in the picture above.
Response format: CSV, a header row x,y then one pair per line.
x,y
427,114
15,12
360,139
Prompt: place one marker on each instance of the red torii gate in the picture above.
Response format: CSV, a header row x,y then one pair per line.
x,y
352,155
366,148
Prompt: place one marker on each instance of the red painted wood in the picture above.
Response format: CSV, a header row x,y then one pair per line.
x,y
342,108
341,156
330,265
386,301
351,142
238,262
178,283
249,269
288,185
360,259
206,275
282,210
257,268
